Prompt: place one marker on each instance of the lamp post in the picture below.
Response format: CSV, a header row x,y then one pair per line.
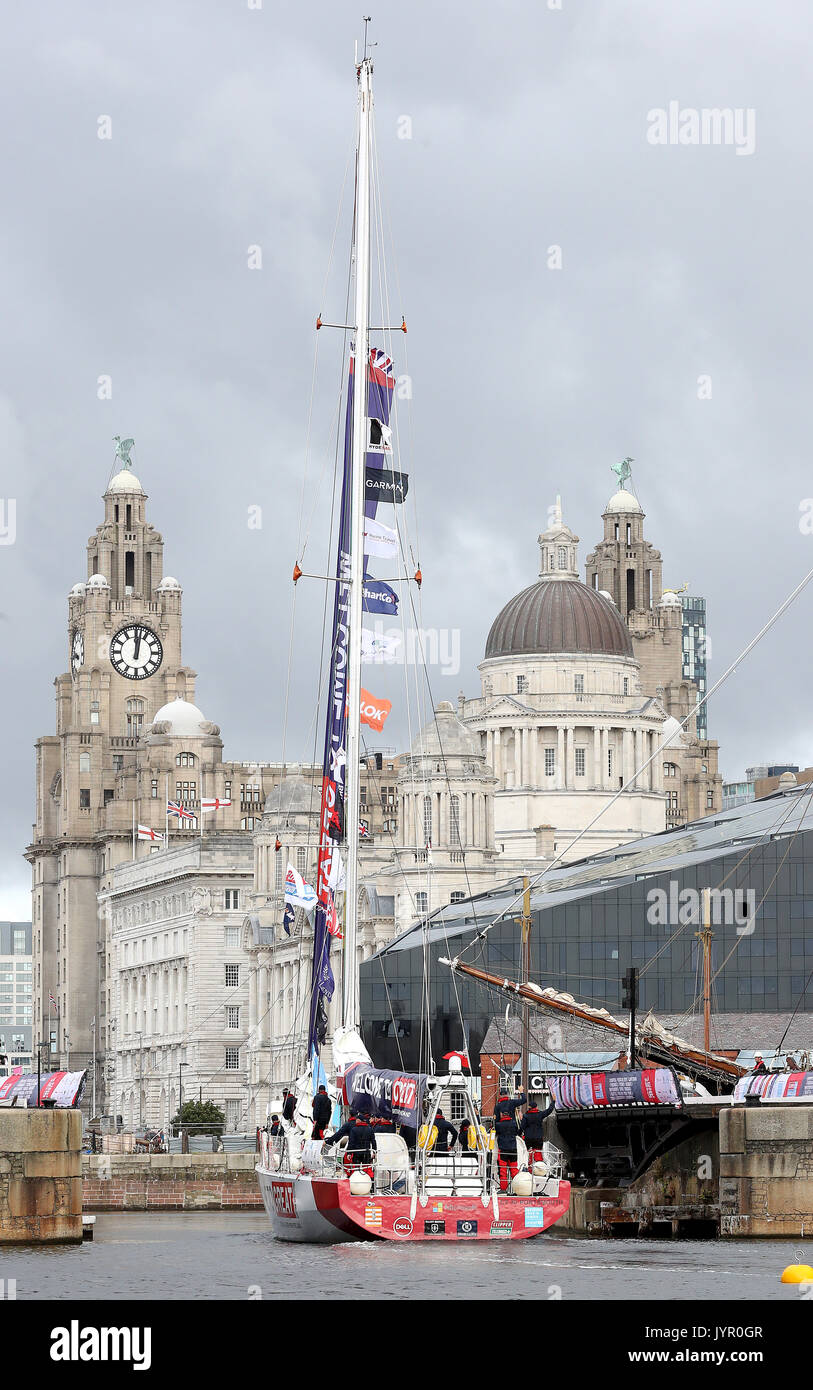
x,y
181,1066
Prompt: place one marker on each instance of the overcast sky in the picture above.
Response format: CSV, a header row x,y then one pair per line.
x,y
231,128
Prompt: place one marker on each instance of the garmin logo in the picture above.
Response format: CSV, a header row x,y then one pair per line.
x,y
710,125
75,1343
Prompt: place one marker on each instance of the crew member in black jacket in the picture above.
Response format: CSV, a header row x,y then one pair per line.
x,y
447,1134
506,1130
288,1105
360,1142
532,1128
507,1105
322,1111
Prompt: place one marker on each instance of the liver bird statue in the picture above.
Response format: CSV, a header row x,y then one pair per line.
x,y
123,447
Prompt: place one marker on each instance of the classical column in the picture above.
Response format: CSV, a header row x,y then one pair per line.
x,y
252,1000
560,759
627,756
534,741
497,764
641,754
570,760
596,756
605,757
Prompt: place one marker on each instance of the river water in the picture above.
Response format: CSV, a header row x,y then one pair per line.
x,y
231,1255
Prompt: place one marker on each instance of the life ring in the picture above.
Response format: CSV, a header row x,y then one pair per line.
x,y
427,1137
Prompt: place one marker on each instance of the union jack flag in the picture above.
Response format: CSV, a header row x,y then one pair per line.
x,y
174,808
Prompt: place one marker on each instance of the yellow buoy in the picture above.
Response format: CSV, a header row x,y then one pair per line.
x,y
797,1274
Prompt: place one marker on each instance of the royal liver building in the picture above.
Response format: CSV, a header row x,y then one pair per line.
x,y
161,960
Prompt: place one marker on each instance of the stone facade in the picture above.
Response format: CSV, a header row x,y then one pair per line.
x,y
628,569
766,1171
40,1175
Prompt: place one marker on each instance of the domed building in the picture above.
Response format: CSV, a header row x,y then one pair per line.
x,y
562,719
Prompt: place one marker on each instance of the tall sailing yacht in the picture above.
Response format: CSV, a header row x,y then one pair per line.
x,y
409,1191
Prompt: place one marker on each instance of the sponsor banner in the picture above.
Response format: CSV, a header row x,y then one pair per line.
x,y
591,1090
383,485
378,597
535,1216
402,1226
434,1228
393,1095
783,1085
62,1089
502,1229
466,1229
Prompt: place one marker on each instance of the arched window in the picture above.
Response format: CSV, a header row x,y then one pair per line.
x,y
247,823
185,760
670,769
134,711
84,762
561,557
427,820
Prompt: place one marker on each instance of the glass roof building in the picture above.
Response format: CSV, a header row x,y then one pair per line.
x,y
634,905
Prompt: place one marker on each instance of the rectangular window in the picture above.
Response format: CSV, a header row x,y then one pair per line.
x,y
232,897
626,686
457,897
154,788
279,870
232,1059
550,761
232,976
301,859
232,1017
455,817
421,902
234,1114
578,684
522,684
118,762
579,762
84,797
427,821
227,791
232,938
609,762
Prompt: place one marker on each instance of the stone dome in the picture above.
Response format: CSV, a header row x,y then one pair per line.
x,y
125,481
670,599
168,582
446,736
623,501
78,588
292,796
565,616
184,719
97,581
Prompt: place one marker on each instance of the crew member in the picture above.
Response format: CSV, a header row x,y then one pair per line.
x,y
274,1128
508,1105
506,1130
288,1105
532,1128
759,1064
322,1111
382,1124
447,1134
360,1142
463,1136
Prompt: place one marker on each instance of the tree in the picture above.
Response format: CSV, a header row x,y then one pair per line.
x,y
199,1117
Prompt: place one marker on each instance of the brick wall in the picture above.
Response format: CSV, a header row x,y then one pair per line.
x,y
167,1182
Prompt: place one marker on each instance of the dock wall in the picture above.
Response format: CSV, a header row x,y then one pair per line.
x,y
167,1182
40,1175
766,1171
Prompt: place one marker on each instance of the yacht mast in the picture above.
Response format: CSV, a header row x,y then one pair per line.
x,y
350,1011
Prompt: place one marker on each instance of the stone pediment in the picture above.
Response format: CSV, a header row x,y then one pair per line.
x,y
505,704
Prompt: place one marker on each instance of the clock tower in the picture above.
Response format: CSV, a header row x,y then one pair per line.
x,y
123,652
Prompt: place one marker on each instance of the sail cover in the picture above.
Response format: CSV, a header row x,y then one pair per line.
x,y
595,1090
380,382
391,1095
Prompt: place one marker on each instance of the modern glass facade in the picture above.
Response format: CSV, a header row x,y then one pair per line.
x,y
636,905
15,995
695,645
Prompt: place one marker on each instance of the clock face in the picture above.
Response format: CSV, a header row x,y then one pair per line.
x,y
136,652
77,651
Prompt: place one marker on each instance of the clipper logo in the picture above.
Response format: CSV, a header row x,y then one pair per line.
x,y
103,1344
283,1197
502,1228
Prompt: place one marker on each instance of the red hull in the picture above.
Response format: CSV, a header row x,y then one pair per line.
x,y
383,1217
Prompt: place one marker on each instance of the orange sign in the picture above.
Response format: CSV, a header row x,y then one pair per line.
x,y
373,711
